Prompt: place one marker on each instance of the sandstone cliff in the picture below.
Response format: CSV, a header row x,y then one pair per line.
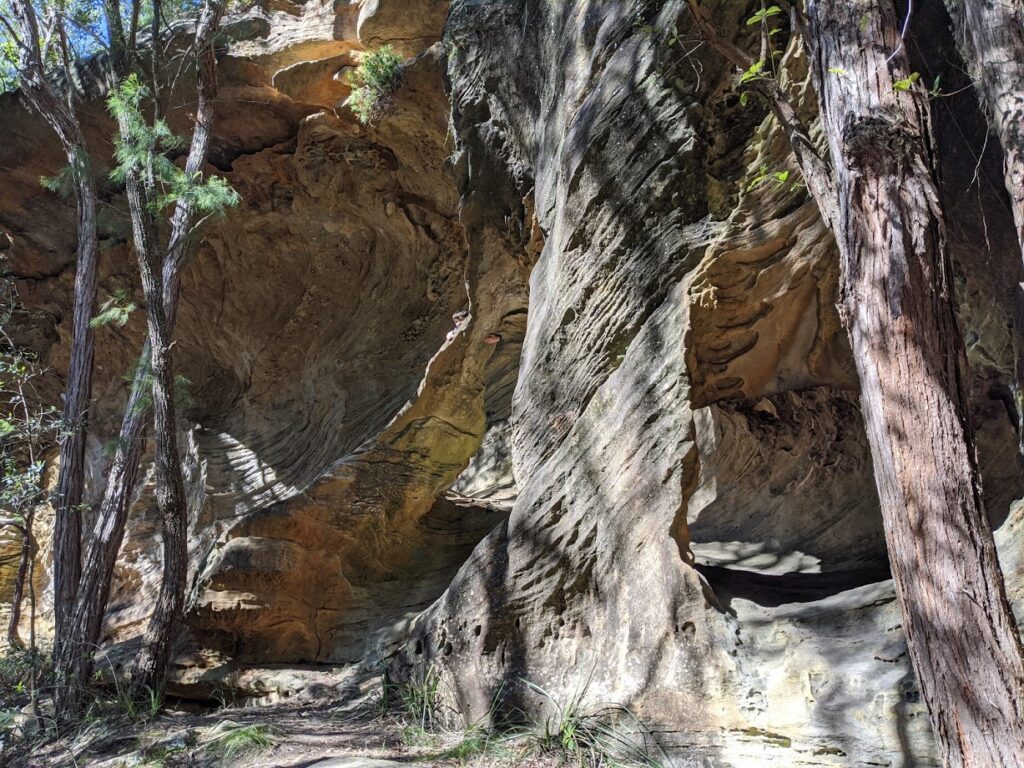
x,y
656,486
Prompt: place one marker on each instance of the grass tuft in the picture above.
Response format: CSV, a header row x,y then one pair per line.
x,y
416,700
235,740
605,737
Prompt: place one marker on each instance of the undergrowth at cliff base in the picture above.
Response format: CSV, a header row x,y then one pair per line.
x,y
573,732
232,740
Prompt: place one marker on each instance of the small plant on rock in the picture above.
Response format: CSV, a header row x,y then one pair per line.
x,y
592,738
374,82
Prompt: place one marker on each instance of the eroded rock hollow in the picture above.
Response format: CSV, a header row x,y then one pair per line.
x,y
655,487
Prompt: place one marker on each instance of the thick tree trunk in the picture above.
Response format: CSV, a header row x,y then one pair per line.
x,y
898,306
991,37
71,478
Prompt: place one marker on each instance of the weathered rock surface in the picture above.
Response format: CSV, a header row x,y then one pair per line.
x,y
309,316
696,532
656,486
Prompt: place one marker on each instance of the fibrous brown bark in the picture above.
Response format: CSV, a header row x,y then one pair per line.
x,y
991,35
170,487
59,114
881,200
898,305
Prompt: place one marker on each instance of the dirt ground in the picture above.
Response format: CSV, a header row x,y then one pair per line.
x,y
300,736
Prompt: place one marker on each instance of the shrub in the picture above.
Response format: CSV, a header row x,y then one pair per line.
x,y
20,670
373,82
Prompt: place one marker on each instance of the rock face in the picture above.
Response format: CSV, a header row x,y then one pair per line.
x,y
655,490
696,533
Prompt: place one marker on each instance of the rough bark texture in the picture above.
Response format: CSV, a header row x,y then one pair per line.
x,y
161,274
897,299
60,116
151,665
991,35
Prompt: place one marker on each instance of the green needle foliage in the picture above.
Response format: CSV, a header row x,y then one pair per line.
x,y
144,147
373,83
115,310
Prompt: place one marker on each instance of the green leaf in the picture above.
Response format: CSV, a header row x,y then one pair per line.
x,y
906,82
837,71
116,309
377,77
763,14
753,72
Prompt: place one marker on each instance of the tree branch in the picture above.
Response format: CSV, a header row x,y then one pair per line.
x,y
816,172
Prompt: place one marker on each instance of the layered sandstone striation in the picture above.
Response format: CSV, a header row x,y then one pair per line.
x,y
654,489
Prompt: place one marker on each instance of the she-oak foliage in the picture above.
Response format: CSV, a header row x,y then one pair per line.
x,y
144,147
167,200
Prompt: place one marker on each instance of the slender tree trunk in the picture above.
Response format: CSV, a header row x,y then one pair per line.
x,y
86,622
23,581
108,534
13,635
991,37
151,664
898,306
71,477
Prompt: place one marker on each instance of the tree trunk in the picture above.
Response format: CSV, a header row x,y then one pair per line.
x,y
151,665
898,306
86,621
991,37
170,487
101,557
71,478
13,636
67,530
